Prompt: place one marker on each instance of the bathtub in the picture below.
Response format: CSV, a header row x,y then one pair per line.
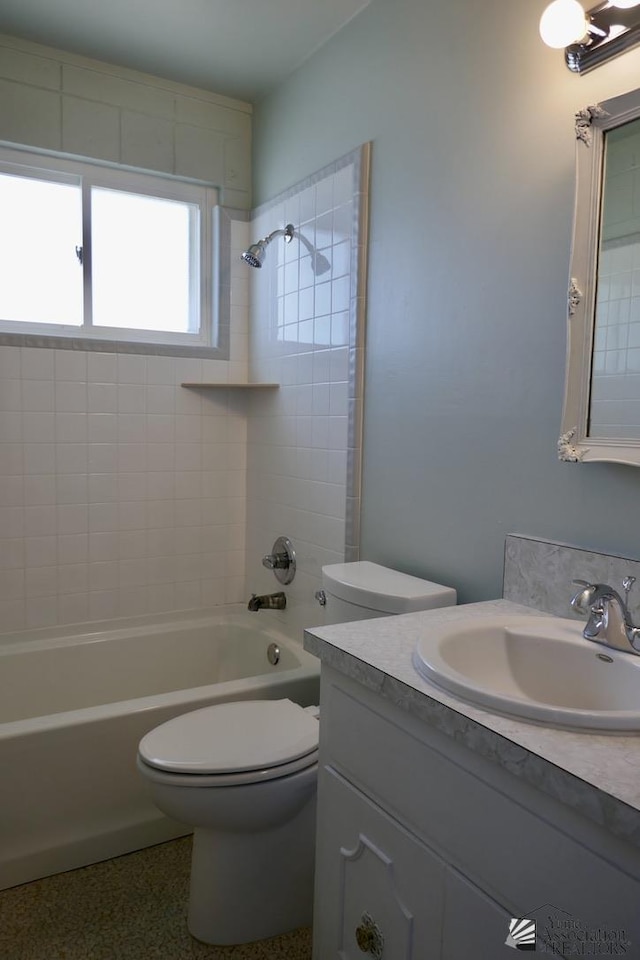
x,y
73,708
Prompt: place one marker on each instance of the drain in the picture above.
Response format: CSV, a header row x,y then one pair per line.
x,y
604,658
273,654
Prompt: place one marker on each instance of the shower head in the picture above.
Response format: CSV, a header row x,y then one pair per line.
x,y
255,254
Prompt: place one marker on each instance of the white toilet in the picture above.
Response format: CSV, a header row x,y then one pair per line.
x,y
244,775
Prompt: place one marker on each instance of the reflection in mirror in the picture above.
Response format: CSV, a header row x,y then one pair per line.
x,y
614,408
601,418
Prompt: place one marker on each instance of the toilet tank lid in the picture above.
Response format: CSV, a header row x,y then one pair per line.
x,y
379,588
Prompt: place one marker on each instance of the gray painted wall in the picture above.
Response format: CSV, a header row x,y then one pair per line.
x,y
471,210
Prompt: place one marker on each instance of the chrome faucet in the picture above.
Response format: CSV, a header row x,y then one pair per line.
x,y
268,601
609,620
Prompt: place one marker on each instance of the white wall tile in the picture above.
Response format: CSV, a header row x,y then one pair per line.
x,y
70,365
73,518
40,521
132,428
38,427
11,459
161,370
41,551
102,427
10,395
27,68
11,426
37,395
71,489
132,369
37,364
72,458
12,554
160,399
70,396
131,398
73,548
73,608
73,578
132,458
10,365
90,129
102,545
103,518
132,544
102,398
30,116
39,458
71,427
147,141
199,153
42,612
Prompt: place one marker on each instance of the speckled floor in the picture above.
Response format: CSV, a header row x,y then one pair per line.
x,y
130,908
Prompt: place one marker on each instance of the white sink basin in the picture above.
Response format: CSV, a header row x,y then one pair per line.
x,y
535,668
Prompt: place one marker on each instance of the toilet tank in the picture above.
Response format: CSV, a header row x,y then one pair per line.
x,y
362,590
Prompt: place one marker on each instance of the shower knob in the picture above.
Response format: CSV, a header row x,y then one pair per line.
x,y
282,560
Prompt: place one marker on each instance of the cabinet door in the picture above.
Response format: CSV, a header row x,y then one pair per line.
x,y
379,891
474,926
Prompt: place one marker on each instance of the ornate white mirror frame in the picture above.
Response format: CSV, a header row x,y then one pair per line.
x,y
575,443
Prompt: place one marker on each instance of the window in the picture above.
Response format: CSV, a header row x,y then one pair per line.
x,y
104,254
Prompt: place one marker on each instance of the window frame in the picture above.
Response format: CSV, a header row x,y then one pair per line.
x,y
87,175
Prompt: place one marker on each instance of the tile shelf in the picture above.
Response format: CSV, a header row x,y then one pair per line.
x,y
235,386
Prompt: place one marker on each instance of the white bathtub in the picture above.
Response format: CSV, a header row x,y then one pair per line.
x,y
73,708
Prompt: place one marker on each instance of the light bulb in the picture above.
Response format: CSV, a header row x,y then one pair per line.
x,y
623,4
562,23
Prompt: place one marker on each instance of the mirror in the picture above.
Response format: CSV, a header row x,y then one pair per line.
x,y
601,418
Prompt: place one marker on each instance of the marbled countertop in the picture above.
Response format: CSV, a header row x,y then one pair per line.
x,y
596,774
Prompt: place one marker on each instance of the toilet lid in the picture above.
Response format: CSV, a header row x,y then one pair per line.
x,y
232,738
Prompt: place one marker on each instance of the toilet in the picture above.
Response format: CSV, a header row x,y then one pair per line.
x,y
243,775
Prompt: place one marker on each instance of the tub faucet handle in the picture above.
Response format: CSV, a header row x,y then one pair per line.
x,y
282,560
276,561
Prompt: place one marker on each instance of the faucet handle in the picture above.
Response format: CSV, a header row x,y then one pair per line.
x,y
627,583
581,600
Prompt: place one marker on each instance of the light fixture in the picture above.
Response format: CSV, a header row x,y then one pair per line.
x,y
592,37
562,23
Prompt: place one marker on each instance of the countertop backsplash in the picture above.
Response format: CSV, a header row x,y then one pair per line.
x,y
539,573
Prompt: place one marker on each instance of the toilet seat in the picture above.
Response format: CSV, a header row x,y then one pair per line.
x,y
227,779
232,743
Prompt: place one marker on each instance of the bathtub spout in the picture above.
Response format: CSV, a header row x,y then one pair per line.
x,y
268,601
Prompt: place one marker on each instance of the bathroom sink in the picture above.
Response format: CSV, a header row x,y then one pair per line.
x,y
535,668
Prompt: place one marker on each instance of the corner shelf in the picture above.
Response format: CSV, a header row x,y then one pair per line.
x,y
234,386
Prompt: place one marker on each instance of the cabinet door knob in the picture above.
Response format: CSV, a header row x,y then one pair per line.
x,y
369,937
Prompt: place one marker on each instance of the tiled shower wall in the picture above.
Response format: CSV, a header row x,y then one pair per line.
x,y
307,330
121,493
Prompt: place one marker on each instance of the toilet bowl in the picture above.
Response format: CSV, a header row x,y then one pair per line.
x,y
244,774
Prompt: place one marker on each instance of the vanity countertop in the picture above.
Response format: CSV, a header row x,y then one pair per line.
x,y
596,774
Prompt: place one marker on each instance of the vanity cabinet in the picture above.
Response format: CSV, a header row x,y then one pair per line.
x,y
425,850
387,894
